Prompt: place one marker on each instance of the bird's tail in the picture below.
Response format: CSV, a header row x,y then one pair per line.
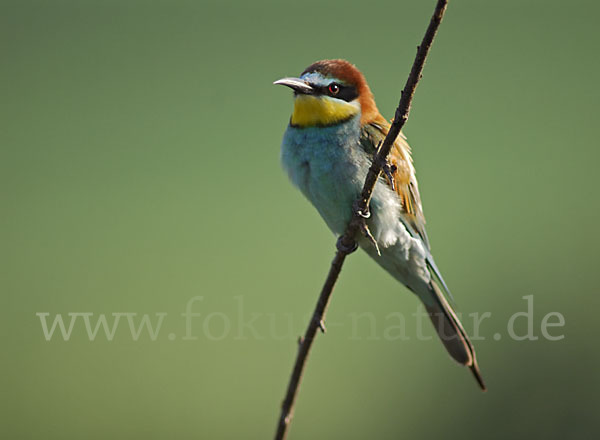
x,y
452,333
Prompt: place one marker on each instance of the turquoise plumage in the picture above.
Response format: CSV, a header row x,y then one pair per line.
x,y
327,149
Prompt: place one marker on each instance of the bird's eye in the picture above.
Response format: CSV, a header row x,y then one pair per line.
x,y
334,89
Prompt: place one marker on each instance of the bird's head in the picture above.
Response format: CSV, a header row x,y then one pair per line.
x,y
330,92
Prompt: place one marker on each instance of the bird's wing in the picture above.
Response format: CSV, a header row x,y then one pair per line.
x,y
402,173
405,184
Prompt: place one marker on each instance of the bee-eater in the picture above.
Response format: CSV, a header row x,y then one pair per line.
x,y
328,146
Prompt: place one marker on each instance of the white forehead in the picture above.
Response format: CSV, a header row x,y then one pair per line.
x,y
316,78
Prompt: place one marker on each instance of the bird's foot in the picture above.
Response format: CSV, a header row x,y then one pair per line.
x,y
388,169
362,216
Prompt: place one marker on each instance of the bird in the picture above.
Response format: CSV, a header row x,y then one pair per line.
x,y
328,146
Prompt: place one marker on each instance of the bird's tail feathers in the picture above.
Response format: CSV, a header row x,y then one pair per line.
x,y
452,333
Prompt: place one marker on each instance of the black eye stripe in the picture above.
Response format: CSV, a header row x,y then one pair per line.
x,y
347,93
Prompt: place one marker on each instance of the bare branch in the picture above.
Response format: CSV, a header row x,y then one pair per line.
x,y
347,244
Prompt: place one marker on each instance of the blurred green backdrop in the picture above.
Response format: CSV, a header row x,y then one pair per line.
x,y
139,169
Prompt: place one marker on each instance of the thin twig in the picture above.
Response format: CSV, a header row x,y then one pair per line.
x,y
347,242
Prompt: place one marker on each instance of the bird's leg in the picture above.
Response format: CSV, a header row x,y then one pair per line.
x,y
362,217
388,168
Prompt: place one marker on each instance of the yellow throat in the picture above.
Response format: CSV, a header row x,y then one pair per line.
x,y
312,110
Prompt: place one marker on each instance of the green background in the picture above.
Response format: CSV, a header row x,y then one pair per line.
x,y
139,168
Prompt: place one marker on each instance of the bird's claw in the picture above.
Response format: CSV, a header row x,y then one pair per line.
x,y
364,228
388,169
362,214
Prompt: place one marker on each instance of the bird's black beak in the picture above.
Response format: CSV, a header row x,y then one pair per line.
x,y
297,84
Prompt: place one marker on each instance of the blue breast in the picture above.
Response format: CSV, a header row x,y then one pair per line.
x,y
328,166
